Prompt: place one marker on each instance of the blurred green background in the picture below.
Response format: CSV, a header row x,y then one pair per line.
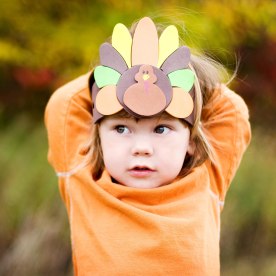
x,y
44,44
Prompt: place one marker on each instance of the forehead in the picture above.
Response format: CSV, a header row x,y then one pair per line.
x,y
126,116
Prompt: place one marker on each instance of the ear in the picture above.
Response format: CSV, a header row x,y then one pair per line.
x,y
191,147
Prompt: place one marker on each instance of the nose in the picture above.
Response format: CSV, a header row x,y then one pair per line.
x,y
142,147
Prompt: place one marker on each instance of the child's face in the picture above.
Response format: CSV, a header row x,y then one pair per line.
x,y
145,154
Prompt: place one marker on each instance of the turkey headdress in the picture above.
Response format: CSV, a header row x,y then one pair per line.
x,y
144,75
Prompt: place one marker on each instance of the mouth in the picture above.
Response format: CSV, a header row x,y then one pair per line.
x,y
141,171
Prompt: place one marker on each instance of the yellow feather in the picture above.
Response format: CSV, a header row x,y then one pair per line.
x,y
122,41
168,43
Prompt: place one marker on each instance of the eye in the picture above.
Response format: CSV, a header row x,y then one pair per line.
x,y
122,129
161,130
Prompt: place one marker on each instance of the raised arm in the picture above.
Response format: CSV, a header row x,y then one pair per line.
x,y
225,119
68,121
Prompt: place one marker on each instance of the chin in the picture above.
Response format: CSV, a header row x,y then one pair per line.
x,y
143,185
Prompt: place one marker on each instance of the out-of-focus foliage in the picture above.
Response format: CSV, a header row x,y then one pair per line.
x,y
65,36
43,44
249,218
32,217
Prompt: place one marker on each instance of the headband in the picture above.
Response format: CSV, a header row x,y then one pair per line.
x,y
144,75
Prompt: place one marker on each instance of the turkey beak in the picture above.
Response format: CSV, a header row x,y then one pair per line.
x,y
145,77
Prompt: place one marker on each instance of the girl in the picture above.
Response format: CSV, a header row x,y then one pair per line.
x,y
144,197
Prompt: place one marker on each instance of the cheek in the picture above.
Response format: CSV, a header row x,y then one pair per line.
x,y
179,154
106,147
109,150
112,152
175,150
110,157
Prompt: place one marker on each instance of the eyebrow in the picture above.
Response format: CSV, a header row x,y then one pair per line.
x,y
167,118
161,117
124,114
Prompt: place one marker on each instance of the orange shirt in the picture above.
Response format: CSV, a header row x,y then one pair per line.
x,y
170,230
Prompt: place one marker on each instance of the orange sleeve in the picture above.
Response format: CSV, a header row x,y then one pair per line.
x,y
68,120
226,121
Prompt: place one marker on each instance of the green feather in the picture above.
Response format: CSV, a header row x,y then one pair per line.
x,y
183,78
106,76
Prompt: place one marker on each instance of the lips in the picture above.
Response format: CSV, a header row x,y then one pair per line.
x,y
141,171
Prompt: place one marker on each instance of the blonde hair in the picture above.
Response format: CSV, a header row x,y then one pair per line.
x,y
209,74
